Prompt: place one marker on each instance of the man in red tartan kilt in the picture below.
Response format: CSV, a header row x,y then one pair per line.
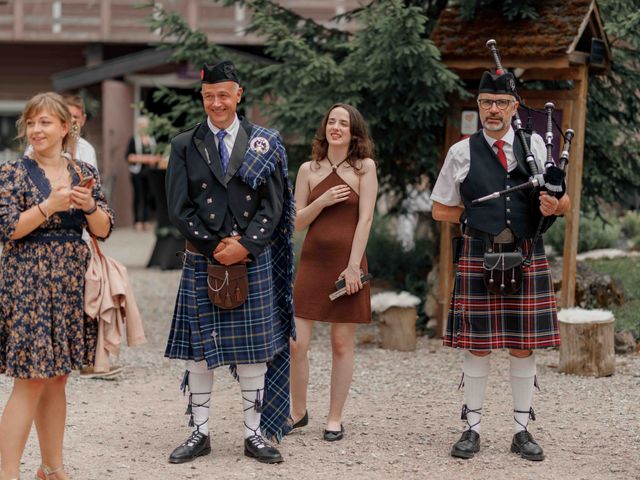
x,y
520,317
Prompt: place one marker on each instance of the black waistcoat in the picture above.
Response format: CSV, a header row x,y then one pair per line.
x,y
487,175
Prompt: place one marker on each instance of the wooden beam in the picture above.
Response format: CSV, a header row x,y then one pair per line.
x,y
549,74
458,63
105,19
574,189
447,231
18,19
579,58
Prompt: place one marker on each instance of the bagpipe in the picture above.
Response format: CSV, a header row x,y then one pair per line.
x,y
552,178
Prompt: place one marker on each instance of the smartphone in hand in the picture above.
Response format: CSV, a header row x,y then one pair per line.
x,y
87,182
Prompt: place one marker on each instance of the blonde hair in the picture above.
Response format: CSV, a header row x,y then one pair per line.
x,y
53,103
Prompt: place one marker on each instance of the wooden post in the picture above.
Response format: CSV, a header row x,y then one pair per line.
x,y
18,19
398,328
445,280
574,189
587,342
105,19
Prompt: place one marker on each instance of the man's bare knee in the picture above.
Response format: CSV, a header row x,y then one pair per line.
x,y
480,353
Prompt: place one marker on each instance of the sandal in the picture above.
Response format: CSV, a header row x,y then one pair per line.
x,y
45,473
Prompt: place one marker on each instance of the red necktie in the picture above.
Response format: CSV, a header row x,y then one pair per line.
x,y
501,155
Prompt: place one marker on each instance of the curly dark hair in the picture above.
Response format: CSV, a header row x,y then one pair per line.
x,y
360,147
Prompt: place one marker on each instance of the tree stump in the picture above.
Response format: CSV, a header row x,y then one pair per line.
x,y
398,328
587,346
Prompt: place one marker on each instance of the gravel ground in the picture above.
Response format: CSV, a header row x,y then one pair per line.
x,y
401,417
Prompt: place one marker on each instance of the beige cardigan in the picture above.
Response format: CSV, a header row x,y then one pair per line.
x,y
108,298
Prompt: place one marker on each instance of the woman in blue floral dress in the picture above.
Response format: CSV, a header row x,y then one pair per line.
x,y
44,334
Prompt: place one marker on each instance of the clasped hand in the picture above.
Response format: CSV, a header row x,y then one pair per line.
x,y
230,251
351,276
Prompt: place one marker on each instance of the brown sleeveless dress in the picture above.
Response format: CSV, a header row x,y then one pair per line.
x,y
325,254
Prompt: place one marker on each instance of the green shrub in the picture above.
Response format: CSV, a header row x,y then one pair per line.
x,y
401,270
630,228
594,234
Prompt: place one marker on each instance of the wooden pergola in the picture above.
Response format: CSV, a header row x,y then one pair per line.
x,y
566,43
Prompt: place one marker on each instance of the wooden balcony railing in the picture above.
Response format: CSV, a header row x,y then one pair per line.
x,y
119,21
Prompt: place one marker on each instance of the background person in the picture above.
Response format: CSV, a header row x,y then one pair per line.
x,y
141,155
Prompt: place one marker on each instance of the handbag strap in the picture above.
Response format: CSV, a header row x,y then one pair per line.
x,y
94,240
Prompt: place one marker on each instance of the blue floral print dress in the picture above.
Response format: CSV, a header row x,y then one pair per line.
x,y
43,330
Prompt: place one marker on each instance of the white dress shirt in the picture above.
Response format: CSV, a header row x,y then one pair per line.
x,y
457,162
230,137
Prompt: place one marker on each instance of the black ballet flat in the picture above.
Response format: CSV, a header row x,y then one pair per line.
x,y
333,436
303,422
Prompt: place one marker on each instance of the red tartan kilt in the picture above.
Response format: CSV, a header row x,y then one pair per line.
x,y
479,320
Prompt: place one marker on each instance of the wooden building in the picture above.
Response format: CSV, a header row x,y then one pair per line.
x,y
105,48
566,43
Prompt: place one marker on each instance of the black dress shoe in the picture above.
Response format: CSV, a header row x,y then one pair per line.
x,y
333,436
303,422
467,446
195,446
256,447
524,444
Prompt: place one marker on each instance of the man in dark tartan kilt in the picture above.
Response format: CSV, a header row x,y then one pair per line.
x,y
229,195
480,321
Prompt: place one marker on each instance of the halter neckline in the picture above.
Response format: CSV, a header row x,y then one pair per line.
x,y
335,167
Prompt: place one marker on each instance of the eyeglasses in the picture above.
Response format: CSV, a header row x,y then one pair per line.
x,y
486,104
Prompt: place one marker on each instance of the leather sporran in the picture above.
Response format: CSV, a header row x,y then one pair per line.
x,y
503,272
228,286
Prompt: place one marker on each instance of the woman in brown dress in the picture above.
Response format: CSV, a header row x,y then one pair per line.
x,y
335,198
44,334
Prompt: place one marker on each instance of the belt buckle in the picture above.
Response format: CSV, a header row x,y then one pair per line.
x,y
505,236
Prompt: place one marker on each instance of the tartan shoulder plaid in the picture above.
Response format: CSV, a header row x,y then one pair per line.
x,y
255,170
479,320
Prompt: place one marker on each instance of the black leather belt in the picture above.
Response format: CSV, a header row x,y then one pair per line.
x,y
504,237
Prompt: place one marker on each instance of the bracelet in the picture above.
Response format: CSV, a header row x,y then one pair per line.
x,y
46,209
91,210
41,211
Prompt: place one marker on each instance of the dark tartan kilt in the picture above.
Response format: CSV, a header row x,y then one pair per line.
x,y
248,334
479,320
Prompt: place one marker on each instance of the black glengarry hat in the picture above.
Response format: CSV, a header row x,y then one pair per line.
x,y
224,71
497,84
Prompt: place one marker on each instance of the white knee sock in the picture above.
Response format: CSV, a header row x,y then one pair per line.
x,y
523,372
252,387
200,385
476,371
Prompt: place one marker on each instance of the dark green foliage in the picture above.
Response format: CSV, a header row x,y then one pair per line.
x,y
511,9
594,233
627,270
388,69
612,144
396,269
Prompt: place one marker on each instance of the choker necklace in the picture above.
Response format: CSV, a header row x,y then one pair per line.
x,y
335,167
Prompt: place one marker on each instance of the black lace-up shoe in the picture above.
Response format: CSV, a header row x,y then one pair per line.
x,y
467,446
257,447
195,446
524,444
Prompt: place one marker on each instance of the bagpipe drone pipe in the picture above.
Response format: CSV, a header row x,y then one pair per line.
x,y
552,178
